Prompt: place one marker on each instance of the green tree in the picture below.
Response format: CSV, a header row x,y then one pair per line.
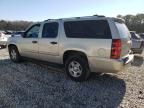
x,y
134,22
14,25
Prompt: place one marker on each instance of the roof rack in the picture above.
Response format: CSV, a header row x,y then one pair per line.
x,y
75,17
99,15
70,18
49,19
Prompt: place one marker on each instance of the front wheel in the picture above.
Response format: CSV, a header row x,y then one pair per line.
x,y
77,68
14,54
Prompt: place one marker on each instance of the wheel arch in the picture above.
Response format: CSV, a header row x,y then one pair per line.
x,y
68,53
12,44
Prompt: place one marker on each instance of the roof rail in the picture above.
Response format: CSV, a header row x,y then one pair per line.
x,y
48,19
75,17
99,15
70,18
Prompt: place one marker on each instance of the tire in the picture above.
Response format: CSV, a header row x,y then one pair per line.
x,y
77,68
14,54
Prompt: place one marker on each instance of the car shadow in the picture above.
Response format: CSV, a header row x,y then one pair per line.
x,y
112,89
49,87
138,61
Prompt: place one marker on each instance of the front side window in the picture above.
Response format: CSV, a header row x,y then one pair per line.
x,y
33,32
88,29
50,30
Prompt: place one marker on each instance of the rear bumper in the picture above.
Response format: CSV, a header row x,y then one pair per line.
x,y
109,65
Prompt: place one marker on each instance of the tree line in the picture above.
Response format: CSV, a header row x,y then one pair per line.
x,y
134,23
14,25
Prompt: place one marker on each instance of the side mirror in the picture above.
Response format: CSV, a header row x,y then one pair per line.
x,y
23,34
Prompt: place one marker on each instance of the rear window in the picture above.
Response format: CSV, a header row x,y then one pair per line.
x,y
88,29
123,30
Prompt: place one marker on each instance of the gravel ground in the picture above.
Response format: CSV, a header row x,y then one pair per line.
x,y
35,85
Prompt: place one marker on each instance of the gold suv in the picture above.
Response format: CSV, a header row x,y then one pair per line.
x,y
82,44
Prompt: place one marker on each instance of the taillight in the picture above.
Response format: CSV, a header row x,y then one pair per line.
x,y
116,49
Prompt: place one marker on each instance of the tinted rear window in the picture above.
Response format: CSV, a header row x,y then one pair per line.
x,y
88,29
123,30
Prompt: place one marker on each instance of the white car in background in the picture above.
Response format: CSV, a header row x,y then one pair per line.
x,y
17,33
3,39
137,43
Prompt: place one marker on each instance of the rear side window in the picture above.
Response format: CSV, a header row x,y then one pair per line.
x,y
50,30
123,30
88,29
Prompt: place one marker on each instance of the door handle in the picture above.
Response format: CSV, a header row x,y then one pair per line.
x,y
53,43
34,42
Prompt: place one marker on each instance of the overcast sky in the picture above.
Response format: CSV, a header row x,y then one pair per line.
x,y
38,10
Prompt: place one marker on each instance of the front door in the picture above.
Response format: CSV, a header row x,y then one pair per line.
x,y
29,42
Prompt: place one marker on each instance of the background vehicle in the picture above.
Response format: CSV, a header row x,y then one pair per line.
x,y
4,38
142,35
137,43
17,33
82,45
1,33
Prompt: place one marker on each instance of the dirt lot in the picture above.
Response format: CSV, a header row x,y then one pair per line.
x,y
35,85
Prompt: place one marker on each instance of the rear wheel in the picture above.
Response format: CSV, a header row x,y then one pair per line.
x,y
14,54
77,68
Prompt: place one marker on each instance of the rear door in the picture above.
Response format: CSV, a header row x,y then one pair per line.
x,y
48,42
